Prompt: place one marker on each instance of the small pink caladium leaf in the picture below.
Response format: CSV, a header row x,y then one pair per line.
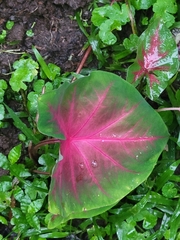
x,y
156,61
110,139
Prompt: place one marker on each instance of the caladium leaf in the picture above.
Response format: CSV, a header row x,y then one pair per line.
x,y
110,139
156,61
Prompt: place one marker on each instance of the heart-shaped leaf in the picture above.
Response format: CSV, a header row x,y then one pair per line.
x,y
110,140
157,59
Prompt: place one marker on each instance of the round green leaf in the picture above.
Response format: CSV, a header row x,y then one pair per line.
x,y
25,71
169,190
142,4
3,220
9,25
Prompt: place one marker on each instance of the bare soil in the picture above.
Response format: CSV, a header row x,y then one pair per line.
x,y
56,34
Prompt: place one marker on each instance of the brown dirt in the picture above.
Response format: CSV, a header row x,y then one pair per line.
x,y
56,35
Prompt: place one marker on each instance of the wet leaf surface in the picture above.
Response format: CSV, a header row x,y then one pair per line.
x,y
156,61
108,142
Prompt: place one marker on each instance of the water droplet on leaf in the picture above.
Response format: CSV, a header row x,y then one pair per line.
x,y
79,114
94,163
81,165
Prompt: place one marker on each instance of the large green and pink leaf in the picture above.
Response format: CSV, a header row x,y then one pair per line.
x,y
110,139
157,59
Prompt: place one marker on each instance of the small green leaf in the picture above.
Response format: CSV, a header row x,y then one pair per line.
x,y
30,33
178,140
131,42
169,190
47,161
149,221
20,125
18,193
40,187
38,85
109,18
165,176
167,116
22,137
2,112
3,36
15,154
145,21
164,9
95,44
55,70
18,170
178,96
18,220
25,71
35,206
32,103
175,222
9,24
5,200
49,86
5,183
33,221
25,202
4,162
3,220
3,86
142,4
54,235
37,187
51,75
31,191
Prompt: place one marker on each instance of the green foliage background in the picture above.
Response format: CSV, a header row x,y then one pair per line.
x,y
152,210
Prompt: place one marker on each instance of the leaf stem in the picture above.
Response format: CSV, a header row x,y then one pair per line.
x,y
33,149
88,50
133,23
41,172
168,109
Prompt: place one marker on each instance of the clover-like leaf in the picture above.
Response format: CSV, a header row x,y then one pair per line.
x,y
25,71
165,9
110,139
156,61
109,18
142,4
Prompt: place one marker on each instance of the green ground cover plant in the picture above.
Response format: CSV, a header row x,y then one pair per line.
x,y
98,154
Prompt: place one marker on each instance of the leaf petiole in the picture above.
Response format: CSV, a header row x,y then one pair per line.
x,y
168,109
